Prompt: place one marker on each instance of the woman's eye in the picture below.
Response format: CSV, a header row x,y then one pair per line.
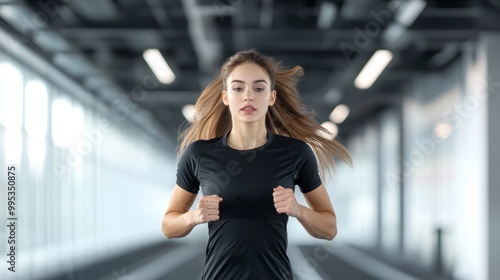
x,y
238,89
259,89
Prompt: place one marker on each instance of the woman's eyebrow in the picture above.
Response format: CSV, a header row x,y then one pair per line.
x,y
256,81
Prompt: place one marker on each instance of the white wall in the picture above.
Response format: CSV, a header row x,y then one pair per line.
x,y
444,172
89,183
445,166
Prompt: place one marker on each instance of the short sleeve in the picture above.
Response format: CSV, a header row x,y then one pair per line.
x,y
186,170
306,166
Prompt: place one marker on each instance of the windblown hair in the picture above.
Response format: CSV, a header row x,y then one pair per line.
x,y
287,117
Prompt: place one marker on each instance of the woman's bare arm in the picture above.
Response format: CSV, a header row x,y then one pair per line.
x,y
319,220
178,221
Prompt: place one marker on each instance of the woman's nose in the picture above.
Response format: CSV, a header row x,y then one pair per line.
x,y
248,95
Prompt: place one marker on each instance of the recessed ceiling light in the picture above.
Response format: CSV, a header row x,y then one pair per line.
x,y
373,68
159,66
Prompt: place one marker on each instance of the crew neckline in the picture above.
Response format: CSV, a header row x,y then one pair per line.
x,y
269,140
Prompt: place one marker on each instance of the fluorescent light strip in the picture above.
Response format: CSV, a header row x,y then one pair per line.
x,y
159,66
373,68
443,130
188,112
332,129
339,114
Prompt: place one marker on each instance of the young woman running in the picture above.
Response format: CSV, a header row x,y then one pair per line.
x,y
251,142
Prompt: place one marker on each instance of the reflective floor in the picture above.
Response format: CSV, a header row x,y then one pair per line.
x,y
183,260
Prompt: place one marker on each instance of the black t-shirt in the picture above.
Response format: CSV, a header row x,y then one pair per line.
x,y
249,240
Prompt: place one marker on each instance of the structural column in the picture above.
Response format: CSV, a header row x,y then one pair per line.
x,y
491,44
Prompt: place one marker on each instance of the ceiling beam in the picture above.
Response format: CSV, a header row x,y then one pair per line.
x,y
204,36
96,10
109,33
444,34
158,12
433,12
276,35
160,98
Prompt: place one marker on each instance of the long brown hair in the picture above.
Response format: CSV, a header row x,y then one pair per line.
x,y
287,117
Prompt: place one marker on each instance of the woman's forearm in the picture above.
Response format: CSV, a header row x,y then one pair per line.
x,y
176,225
321,225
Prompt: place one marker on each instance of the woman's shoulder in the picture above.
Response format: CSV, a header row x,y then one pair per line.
x,y
201,145
291,142
300,151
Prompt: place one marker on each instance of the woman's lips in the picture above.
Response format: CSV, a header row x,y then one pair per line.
x,y
248,109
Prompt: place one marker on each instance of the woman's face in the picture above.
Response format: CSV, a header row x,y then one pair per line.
x,y
248,93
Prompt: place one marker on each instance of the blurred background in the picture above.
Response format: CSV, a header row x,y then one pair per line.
x,y
94,93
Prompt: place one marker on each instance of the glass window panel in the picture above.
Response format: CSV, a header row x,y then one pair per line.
x,y
11,96
35,119
13,145
61,111
67,123
36,108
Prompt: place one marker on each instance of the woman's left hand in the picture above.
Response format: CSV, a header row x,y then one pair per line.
x,y
284,202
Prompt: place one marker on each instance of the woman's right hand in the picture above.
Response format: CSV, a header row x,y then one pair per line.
x,y
207,209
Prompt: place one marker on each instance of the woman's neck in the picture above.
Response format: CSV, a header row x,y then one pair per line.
x,y
246,138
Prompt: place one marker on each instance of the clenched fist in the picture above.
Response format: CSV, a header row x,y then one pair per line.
x,y
284,202
207,209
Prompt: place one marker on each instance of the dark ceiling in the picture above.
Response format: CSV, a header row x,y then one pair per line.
x,y
99,43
